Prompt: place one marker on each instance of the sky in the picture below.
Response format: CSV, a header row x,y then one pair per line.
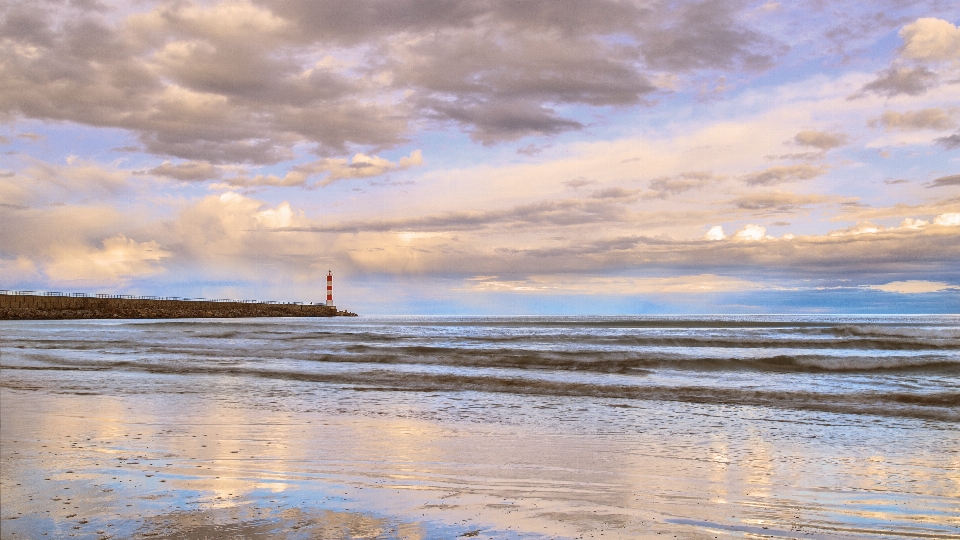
x,y
486,156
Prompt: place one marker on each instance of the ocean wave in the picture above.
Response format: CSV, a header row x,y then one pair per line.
x,y
894,343
840,337
941,405
619,361
599,361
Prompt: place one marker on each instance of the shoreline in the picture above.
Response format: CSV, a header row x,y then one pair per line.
x,y
131,465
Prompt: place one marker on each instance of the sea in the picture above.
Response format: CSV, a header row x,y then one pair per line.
x,y
800,426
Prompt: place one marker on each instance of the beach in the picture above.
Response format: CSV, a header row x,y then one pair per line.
x,y
481,427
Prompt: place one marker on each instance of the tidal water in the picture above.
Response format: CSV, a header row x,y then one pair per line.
x,y
888,366
791,426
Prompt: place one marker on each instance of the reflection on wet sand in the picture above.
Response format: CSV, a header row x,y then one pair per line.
x,y
257,522
146,465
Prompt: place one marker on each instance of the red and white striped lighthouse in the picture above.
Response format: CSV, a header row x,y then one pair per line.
x,y
329,288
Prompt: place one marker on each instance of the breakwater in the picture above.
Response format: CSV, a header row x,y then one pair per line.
x,y
30,305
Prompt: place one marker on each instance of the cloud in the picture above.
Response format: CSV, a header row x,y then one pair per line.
x,y
949,219
708,35
493,122
931,39
331,170
950,142
235,237
579,183
530,149
58,182
120,258
750,233
867,251
952,180
234,234
914,287
781,174
897,81
615,286
820,139
779,201
189,171
860,228
924,40
674,185
715,233
605,205
18,270
187,86
259,82
933,118
364,166
910,223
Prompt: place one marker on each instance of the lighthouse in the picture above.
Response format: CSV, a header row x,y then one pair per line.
x,y
329,288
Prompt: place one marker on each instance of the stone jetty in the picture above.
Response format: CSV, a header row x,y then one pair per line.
x,y
29,305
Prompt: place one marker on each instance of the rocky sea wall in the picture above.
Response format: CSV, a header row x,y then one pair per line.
x,y
27,305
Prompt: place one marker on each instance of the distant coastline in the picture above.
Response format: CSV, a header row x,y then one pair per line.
x,y
31,305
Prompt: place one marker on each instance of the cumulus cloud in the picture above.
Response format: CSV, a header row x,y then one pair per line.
x,y
820,139
949,219
911,223
232,234
933,118
914,287
781,174
750,233
275,218
931,39
715,233
120,258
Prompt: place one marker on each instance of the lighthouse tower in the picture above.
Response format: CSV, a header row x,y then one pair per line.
x,y
329,288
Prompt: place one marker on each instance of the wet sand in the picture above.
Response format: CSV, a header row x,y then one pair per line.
x,y
163,465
